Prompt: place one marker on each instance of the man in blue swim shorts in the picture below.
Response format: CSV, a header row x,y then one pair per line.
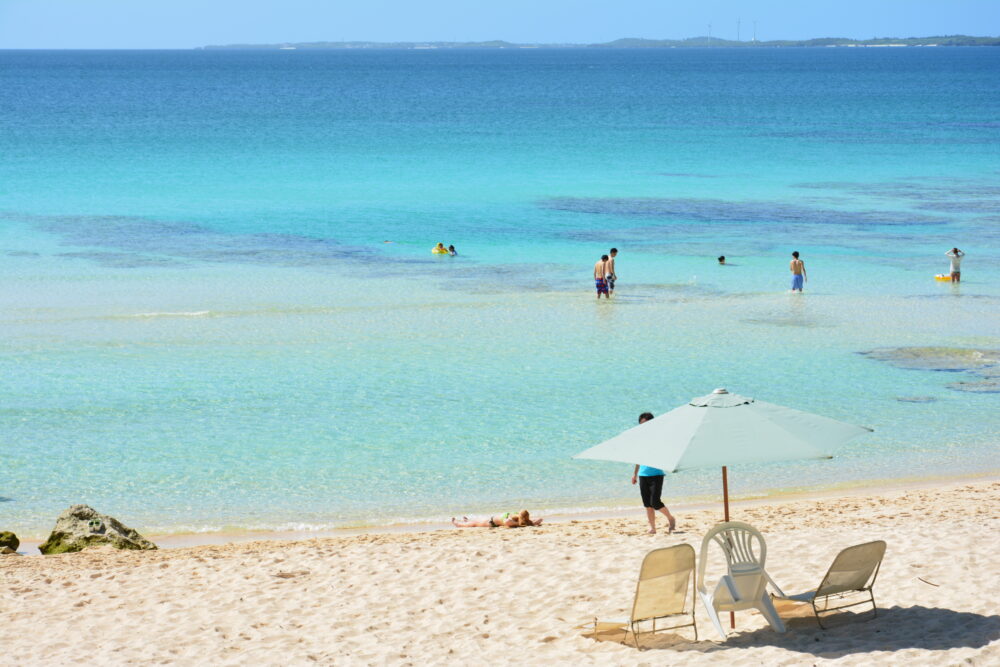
x,y
600,277
798,269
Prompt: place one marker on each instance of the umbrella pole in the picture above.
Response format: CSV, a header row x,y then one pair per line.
x,y
725,492
725,504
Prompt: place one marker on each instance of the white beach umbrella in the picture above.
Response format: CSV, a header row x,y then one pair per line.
x,y
724,429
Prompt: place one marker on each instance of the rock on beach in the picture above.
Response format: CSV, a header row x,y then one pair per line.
x,y
82,526
9,539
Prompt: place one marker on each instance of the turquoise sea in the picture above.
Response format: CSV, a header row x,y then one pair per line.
x,y
204,328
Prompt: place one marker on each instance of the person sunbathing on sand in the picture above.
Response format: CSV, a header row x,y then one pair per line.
x,y
509,520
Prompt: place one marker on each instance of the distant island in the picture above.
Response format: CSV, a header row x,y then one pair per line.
x,y
635,43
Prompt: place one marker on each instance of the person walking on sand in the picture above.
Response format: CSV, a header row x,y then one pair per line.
x,y
650,487
956,256
600,277
798,269
611,275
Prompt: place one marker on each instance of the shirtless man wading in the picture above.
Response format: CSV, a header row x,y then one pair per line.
x,y
600,279
798,269
611,275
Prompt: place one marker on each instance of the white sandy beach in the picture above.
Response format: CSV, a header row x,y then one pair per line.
x,y
481,596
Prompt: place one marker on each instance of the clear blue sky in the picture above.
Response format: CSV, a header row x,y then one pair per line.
x,y
190,23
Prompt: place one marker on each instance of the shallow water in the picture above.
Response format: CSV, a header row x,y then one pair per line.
x,y
204,328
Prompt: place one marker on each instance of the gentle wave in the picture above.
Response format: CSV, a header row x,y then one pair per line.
x,y
194,313
380,523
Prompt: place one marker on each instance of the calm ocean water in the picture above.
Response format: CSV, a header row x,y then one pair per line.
x,y
204,328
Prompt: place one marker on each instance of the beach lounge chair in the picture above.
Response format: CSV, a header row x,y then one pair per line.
x,y
745,584
852,574
665,578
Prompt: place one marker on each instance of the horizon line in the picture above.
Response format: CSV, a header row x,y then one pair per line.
x,y
621,42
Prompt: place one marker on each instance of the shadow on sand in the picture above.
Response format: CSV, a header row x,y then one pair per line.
x,y
895,629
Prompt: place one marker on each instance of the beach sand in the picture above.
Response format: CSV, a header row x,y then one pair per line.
x,y
503,596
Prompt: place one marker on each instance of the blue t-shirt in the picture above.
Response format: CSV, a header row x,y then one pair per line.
x,y
647,471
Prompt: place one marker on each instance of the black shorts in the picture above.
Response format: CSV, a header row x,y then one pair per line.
x,y
651,488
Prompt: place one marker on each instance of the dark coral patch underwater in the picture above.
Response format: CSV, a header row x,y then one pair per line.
x,y
982,367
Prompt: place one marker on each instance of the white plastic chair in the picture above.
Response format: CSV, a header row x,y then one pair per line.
x,y
745,584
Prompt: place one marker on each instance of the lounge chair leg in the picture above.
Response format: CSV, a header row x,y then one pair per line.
x,y
816,614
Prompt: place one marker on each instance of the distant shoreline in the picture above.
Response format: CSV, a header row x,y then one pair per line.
x,y
611,509
629,43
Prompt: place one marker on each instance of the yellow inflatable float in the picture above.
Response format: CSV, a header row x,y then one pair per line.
x,y
439,249
942,277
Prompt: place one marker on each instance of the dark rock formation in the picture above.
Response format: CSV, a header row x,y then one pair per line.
x,y
9,539
81,526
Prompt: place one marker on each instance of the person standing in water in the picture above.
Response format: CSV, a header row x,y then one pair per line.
x,y
650,487
600,277
798,269
611,275
956,256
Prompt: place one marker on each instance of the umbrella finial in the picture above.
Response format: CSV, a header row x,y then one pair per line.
x,y
720,398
